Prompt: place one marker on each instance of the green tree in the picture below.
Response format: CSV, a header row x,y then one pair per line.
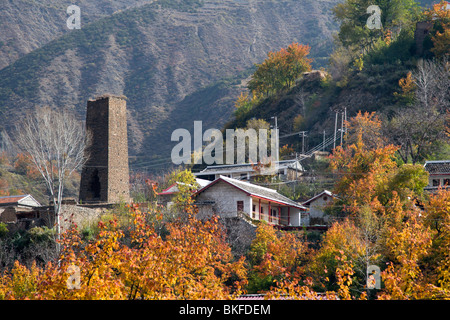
x,y
186,184
353,16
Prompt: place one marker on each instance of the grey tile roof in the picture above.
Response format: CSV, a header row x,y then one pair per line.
x,y
437,167
324,192
245,167
258,191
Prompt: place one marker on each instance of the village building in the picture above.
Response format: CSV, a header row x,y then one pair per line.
x,y
287,170
439,174
230,198
166,196
18,207
317,205
24,201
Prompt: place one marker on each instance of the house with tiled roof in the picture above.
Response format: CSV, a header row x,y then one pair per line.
x,y
439,174
21,201
12,207
286,170
317,205
229,198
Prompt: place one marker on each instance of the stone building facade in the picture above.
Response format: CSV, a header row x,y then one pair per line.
x,y
105,175
422,30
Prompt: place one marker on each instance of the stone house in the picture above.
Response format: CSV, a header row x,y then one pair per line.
x,y
19,201
15,207
287,170
439,174
317,205
229,198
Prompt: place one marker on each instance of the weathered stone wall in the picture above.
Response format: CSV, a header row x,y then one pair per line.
x,y
105,176
225,199
118,171
82,216
240,234
422,30
8,214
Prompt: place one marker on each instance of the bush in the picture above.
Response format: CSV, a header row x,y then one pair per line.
x,y
41,234
3,230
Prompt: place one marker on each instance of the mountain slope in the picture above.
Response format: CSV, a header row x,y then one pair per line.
x,y
170,58
29,24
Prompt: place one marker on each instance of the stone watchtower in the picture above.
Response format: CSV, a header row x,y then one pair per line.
x,y
105,176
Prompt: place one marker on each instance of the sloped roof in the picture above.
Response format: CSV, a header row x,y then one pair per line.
x,y
246,167
174,187
15,199
257,191
324,192
438,167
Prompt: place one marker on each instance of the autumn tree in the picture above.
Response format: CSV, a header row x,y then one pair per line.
x,y
193,261
363,170
366,127
408,88
280,70
344,238
375,193
243,105
437,218
274,256
440,14
186,184
407,241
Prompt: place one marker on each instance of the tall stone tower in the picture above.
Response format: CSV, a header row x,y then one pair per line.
x,y
105,176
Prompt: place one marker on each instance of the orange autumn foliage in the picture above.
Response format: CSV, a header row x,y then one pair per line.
x,y
440,13
280,70
192,262
276,254
24,165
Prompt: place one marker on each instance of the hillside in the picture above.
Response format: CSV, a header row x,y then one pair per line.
x,y
174,60
374,85
29,24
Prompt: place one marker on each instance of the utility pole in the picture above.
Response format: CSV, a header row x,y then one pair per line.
x,y
277,140
335,129
342,126
323,144
295,184
303,142
345,119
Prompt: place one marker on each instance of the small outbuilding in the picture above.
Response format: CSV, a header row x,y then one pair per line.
x,y
317,205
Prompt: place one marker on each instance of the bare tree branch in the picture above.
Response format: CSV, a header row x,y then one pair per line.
x,y
55,142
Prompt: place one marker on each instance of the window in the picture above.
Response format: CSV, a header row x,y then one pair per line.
x,y
240,206
325,198
254,208
446,182
436,182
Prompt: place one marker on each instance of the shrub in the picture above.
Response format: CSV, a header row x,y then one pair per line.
x,y
3,230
